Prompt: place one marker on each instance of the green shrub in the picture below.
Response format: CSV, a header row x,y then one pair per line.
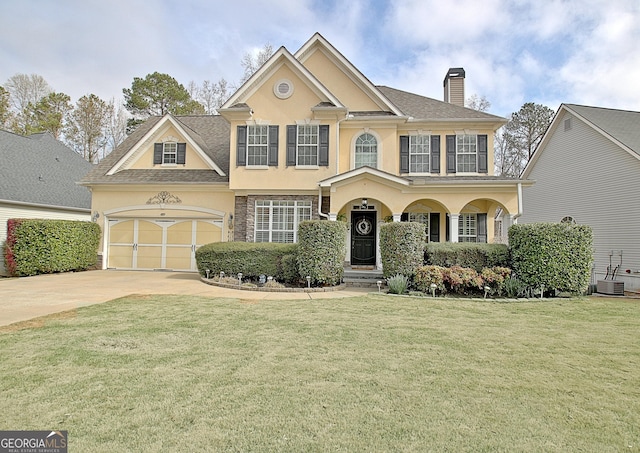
x,y
288,269
252,259
398,284
36,246
514,288
556,256
401,247
321,251
465,254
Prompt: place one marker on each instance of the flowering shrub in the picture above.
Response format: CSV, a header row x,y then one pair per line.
x,y
427,275
494,278
460,280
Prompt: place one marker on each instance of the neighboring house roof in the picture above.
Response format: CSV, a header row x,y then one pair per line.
x,y
620,126
423,108
40,170
209,132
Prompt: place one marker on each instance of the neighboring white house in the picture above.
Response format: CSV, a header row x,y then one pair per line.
x,y
38,177
587,171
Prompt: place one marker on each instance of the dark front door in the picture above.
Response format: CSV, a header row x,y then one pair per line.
x,y
363,238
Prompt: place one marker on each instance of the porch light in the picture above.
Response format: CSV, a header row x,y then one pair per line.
x,y
230,221
365,202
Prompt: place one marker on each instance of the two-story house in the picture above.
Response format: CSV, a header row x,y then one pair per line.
x,y
308,136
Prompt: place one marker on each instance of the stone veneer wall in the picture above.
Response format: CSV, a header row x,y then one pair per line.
x,y
246,211
240,220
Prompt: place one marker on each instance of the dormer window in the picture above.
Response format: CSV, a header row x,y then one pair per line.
x,y
169,153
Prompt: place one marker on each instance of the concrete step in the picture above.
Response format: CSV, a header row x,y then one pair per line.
x,y
363,278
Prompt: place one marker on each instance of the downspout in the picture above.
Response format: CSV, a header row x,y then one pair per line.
x,y
515,217
320,213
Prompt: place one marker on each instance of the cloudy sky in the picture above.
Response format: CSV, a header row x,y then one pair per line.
x,y
513,51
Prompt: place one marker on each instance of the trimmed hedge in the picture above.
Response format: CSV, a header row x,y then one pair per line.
x,y
321,251
401,248
465,254
558,256
37,246
252,259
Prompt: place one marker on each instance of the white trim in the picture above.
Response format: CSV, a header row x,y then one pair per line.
x,y
317,41
173,207
363,171
277,60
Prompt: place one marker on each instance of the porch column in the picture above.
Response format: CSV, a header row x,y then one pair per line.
x,y
453,227
396,217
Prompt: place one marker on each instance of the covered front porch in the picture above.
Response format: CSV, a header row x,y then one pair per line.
x,y
453,209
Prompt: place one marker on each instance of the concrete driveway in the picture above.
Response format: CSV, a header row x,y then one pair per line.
x,y
25,298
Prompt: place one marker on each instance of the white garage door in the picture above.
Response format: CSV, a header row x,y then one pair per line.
x,y
159,243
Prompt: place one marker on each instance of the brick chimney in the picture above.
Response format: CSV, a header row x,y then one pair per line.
x,y
454,86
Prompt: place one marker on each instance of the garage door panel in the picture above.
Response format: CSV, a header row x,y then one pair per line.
x,y
149,233
149,257
121,232
121,256
179,258
180,233
206,233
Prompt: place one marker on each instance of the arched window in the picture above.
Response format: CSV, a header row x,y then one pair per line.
x,y
366,151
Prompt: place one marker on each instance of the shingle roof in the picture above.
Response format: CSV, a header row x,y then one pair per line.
x,y
39,169
424,108
623,125
210,132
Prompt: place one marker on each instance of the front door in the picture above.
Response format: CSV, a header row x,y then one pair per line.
x,y
363,238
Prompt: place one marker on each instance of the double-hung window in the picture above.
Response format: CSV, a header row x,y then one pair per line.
x,y
419,153
169,153
257,145
277,221
467,153
307,152
308,145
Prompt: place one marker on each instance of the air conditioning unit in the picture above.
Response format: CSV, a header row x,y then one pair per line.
x,y
611,287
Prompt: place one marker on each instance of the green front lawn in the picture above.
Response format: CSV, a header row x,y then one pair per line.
x,y
375,373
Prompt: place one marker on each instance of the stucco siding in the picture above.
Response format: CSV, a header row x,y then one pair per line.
x,y
582,174
10,211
